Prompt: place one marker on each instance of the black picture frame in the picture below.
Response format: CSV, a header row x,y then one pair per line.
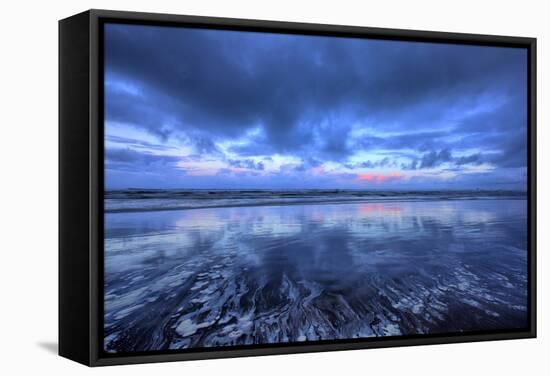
x,y
81,184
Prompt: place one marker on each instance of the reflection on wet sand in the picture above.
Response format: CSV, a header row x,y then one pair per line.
x,y
268,274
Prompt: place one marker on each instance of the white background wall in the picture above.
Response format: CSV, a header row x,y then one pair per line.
x,y
28,210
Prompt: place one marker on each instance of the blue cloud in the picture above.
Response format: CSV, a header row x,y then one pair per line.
x,y
245,98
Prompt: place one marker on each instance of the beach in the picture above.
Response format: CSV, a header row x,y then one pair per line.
x,y
310,267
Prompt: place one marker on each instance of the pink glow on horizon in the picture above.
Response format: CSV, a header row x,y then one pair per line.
x,y
379,178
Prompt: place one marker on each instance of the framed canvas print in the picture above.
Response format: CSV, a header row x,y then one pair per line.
x,y
238,187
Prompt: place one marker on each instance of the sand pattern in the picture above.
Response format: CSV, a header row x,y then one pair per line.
x,y
277,274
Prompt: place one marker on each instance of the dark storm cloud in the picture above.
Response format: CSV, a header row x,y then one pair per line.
x,y
419,141
247,163
469,159
384,162
433,158
304,92
420,105
137,159
436,158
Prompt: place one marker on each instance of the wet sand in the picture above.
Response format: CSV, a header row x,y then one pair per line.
x,y
269,274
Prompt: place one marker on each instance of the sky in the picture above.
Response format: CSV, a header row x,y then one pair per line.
x,y
218,109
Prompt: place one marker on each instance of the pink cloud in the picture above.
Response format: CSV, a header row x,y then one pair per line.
x,y
379,178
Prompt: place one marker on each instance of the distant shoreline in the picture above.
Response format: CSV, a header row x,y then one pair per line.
x,y
370,200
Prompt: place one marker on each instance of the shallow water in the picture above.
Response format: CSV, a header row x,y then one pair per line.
x,y
269,274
